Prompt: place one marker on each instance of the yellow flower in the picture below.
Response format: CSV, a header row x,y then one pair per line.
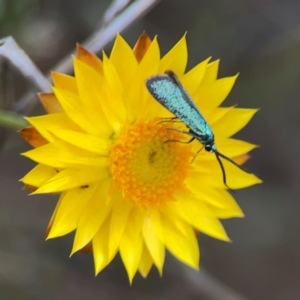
x,y
121,187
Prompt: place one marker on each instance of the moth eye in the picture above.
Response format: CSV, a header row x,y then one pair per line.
x,y
208,148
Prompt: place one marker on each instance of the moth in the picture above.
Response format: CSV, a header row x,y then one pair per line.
x,y
169,92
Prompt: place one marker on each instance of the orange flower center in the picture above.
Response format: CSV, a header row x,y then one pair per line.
x,y
146,166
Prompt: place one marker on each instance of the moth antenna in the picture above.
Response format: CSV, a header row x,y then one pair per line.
x,y
232,161
223,170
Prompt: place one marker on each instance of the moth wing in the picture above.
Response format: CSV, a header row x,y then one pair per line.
x,y
158,86
184,93
168,91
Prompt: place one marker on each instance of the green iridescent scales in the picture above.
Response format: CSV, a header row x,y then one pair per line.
x,y
174,98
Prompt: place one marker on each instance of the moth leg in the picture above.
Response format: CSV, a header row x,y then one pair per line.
x,y
188,142
196,154
173,120
181,131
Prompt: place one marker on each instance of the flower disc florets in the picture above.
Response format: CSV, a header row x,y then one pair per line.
x,y
148,165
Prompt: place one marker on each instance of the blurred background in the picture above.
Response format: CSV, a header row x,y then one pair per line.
x,y
258,38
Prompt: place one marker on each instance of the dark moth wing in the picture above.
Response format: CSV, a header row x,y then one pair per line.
x,y
166,88
184,93
169,92
157,85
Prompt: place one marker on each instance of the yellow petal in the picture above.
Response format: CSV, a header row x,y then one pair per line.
x,y
118,223
89,58
93,94
100,247
45,124
131,245
123,60
155,246
65,82
212,116
50,103
72,204
209,174
215,197
233,147
131,254
184,246
175,59
156,224
210,96
32,136
141,47
39,175
115,91
192,79
77,112
71,178
150,60
84,141
63,155
211,73
137,90
233,122
146,262
225,213
195,212
49,227
93,216
212,227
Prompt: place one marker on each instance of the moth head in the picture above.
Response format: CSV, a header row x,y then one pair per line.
x,y
210,147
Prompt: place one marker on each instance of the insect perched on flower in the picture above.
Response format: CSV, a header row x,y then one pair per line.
x,y
122,187
169,92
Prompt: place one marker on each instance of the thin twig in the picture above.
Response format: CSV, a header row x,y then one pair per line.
x,y
11,51
103,36
97,41
112,11
207,286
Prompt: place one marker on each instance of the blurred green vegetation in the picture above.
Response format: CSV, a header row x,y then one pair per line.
x,y
14,12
